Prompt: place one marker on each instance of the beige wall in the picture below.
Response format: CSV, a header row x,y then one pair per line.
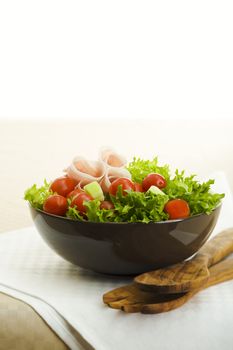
x,y
30,152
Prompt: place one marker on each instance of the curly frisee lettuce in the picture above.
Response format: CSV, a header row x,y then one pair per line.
x,y
198,195
132,206
36,196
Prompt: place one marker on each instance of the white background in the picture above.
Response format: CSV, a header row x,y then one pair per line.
x,y
116,59
145,77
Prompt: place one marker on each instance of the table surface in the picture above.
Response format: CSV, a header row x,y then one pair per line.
x,y
30,152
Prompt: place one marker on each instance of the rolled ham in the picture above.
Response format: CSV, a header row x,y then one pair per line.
x,y
112,159
115,167
86,171
108,168
111,175
80,185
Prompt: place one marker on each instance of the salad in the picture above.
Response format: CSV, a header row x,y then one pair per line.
x,y
112,190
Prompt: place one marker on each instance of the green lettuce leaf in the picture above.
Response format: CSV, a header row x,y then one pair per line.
x,y
74,214
140,168
133,207
198,195
94,213
37,195
139,206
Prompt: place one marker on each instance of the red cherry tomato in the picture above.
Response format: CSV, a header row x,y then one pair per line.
x,y
79,200
107,205
56,205
153,179
63,185
138,187
124,182
177,209
74,193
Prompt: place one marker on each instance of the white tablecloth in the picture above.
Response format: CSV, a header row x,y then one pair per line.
x,y
70,299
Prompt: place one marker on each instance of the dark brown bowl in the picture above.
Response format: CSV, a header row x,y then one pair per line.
x,y
124,248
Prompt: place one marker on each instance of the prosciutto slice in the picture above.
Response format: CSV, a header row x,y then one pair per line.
x,y
112,159
111,175
86,171
114,164
108,168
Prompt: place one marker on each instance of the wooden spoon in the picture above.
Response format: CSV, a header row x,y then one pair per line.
x,y
130,298
191,274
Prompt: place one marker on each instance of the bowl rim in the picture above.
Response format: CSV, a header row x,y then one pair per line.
x,y
123,223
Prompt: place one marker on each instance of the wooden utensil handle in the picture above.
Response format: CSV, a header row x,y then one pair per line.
x,y
217,248
221,272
